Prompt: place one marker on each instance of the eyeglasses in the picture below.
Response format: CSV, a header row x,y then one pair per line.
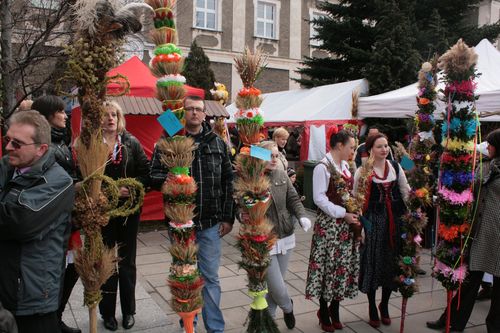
x,y
17,144
192,109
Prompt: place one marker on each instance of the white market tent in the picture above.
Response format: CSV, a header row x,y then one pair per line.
x,y
317,109
401,103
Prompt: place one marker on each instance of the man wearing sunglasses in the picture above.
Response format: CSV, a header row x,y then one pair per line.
x,y
36,199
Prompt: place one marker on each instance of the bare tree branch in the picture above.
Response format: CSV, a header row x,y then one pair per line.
x,y
32,35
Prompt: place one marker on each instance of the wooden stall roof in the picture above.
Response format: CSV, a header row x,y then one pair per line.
x,y
152,106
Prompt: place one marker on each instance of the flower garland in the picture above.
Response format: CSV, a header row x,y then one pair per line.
x,y
353,203
456,175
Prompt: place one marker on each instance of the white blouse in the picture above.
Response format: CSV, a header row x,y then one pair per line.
x,y
404,187
321,180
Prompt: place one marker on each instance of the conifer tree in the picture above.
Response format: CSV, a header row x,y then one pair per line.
x,y
385,40
393,61
197,70
347,32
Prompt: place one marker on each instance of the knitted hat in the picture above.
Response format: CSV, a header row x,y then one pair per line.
x,y
290,172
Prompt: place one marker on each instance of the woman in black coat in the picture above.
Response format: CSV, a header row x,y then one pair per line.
x,y
52,108
127,160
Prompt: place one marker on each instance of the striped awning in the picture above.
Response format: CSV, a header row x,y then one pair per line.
x,y
152,106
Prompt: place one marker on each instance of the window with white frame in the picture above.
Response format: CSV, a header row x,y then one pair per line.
x,y
313,32
266,20
206,14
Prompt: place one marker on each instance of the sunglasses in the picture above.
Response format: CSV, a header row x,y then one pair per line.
x,y
17,144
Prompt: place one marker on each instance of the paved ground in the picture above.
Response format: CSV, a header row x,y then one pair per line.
x,y
154,314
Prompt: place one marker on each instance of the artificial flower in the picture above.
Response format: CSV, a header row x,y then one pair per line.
x,y
466,88
457,144
426,67
449,233
167,49
456,275
422,192
244,92
423,101
409,281
407,260
417,239
454,197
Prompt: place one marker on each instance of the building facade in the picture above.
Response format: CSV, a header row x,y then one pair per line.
x,y
224,27
280,27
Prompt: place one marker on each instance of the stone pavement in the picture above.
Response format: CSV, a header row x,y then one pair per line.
x,y
155,315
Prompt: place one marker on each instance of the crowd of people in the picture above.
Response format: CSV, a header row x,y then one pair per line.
x,y
39,177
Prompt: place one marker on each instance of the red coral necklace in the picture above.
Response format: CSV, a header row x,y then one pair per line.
x,y
117,155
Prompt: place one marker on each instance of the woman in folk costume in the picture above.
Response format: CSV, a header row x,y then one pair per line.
x,y
384,206
285,204
334,259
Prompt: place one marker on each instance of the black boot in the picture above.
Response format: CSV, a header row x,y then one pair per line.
x,y
438,324
289,318
110,323
128,321
66,329
485,292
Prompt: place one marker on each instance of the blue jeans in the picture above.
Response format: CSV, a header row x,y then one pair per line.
x,y
209,252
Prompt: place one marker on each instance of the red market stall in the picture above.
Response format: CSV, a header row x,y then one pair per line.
x,y
141,110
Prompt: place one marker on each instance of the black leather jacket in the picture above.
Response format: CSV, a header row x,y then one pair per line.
x,y
134,163
213,173
62,152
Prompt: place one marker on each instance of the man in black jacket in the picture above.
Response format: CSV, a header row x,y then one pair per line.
x,y
214,218
36,199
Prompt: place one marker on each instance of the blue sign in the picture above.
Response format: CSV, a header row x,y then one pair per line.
x,y
170,123
407,163
260,153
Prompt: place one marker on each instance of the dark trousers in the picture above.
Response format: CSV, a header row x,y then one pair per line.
x,y
493,318
69,281
460,316
38,323
121,232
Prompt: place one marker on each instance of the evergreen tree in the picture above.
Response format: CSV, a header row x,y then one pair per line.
x,y
348,33
384,41
197,70
393,61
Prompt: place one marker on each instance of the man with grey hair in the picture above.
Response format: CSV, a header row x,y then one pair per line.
x,y
36,199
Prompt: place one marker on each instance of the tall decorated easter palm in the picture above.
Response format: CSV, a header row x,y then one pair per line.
x,y
252,193
100,27
457,167
176,151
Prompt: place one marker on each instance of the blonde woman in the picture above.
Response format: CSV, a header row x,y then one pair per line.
x,y
280,136
126,160
285,202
